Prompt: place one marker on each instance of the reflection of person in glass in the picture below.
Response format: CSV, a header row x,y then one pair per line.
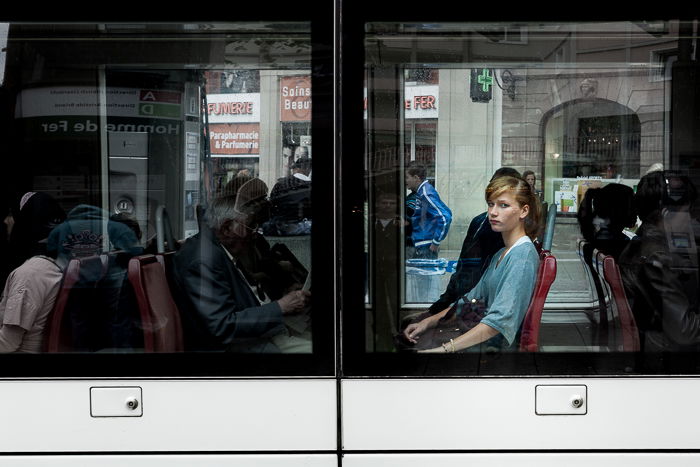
x,y
31,289
104,317
506,287
530,178
223,309
431,218
659,267
387,224
603,215
291,202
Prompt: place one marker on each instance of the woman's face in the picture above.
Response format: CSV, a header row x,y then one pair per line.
x,y
531,180
505,213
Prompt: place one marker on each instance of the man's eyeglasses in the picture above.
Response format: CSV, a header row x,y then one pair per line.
x,y
251,229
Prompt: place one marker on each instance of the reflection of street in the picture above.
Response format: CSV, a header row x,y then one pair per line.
x,y
571,285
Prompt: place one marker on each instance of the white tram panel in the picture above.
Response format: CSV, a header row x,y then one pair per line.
x,y
524,460
212,460
170,415
520,414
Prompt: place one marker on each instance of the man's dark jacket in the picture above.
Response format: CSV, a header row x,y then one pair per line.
x,y
219,310
291,199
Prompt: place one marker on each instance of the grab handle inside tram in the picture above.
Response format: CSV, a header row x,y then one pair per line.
x,y
549,229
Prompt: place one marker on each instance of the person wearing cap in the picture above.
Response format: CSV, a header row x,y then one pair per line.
x,y
222,306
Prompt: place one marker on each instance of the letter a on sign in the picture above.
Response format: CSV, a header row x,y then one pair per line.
x,y
148,96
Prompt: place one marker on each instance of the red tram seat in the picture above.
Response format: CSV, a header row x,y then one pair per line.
x,y
585,252
58,335
530,332
160,317
628,326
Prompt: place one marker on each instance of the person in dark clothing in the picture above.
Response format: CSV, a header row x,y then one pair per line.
x,y
386,224
38,215
104,316
659,267
291,202
223,309
480,243
82,234
274,267
603,214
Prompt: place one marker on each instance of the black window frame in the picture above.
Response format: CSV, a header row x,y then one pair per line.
x,y
322,362
356,361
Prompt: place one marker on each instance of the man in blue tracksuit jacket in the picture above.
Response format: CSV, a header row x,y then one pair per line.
x,y
431,219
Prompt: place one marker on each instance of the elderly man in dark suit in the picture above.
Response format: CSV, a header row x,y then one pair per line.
x,y
223,307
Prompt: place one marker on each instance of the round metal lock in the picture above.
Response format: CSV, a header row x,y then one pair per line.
x,y
124,205
132,403
577,402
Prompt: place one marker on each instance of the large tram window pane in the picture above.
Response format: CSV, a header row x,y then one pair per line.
x,y
157,189
599,119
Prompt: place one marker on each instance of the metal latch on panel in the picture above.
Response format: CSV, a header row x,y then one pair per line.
x,y
116,401
561,399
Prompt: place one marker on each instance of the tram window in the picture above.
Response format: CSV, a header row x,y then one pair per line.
x,y
157,189
592,115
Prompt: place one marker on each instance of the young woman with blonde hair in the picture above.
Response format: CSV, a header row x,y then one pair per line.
x,y
506,287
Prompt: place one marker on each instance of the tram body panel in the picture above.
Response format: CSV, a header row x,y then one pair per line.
x,y
522,459
504,414
203,460
170,416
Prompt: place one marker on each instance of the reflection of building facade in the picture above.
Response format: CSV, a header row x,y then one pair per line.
x,y
259,122
596,106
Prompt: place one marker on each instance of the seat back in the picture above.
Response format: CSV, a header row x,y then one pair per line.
x,y
165,240
160,318
621,308
81,274
530,331
585,252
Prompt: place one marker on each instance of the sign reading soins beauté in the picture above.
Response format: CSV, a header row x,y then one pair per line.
x,y
295,98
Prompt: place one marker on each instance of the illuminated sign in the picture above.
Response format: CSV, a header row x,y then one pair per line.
x,y
421,101
233,108
480,85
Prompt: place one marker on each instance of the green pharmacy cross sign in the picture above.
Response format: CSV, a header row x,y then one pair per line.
x,y
485,80
481,84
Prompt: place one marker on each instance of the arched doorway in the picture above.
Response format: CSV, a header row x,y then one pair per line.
x,y
591,138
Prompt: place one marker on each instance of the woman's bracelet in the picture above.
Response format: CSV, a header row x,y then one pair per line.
x,y
452,346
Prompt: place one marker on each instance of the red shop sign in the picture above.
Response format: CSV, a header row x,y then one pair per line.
x,y
295,98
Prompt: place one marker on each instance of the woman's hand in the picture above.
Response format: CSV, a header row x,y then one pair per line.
x,y
414,330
